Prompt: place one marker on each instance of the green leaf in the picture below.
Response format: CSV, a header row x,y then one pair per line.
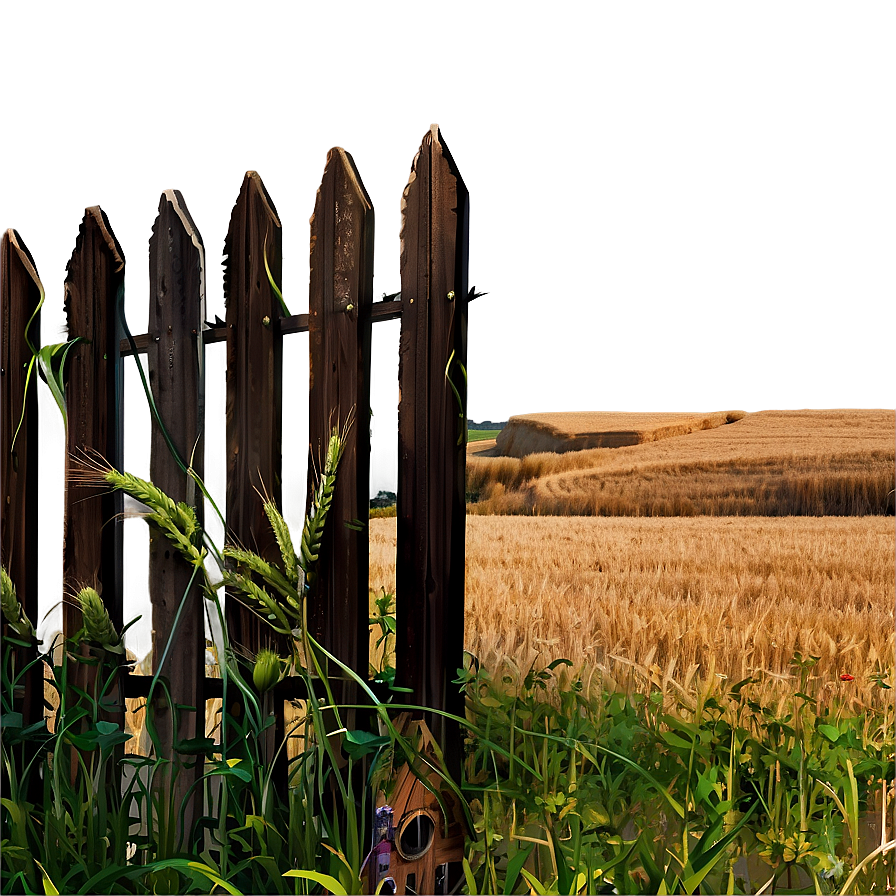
x,y
471,881
361,743
831,732
514,866
325,880
675,741
106,727
193,746
49,886
537,886
227,772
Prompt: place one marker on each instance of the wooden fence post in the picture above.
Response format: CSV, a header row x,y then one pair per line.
x,y
339,328
20,294
92,543
254,374
175,359
92,553
254,411
432,437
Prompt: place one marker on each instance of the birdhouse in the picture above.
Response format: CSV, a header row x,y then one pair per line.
x,y
417,849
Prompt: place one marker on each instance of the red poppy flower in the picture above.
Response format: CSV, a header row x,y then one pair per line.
x,y
846,677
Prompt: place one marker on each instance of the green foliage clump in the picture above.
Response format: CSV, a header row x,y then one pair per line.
x,y
669,791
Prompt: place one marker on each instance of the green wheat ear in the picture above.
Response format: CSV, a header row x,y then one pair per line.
x,y
312,533
284,541
10,602
12,610
98,626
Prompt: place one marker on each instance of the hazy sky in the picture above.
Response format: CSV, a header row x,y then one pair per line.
x,y
674,205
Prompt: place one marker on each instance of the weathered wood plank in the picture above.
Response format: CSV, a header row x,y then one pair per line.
x,y
340,299
295,323
20,295
176,374
431,436
254,374
92,552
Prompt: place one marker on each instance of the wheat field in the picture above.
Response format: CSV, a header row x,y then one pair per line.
x,y
737,595
771,463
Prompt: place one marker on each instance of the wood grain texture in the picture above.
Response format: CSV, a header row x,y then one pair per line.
x,y
431,440
254,374
94,283
340,299
175,360
20,294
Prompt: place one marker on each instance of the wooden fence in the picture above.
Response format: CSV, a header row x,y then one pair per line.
x,y
431,453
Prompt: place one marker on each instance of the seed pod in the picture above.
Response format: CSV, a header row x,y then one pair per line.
x,y
267,670
97,624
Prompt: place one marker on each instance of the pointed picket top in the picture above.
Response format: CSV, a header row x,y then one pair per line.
x,y
94,285
253,212
437,196
339,329
93,222
341,183
24,255
172,202
173,215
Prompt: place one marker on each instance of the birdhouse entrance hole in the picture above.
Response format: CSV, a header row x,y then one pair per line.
x,y
415,835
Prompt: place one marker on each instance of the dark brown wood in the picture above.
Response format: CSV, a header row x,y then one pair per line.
x,y
141,341
340,298
254,374
431,436
296,323
175,360
92,552
20,295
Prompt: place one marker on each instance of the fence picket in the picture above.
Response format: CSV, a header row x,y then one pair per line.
x,y
431,436
340,299
94,284
254,374
20,292
175,359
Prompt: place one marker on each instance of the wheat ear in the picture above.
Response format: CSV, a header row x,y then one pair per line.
x,y
269,573
263,599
